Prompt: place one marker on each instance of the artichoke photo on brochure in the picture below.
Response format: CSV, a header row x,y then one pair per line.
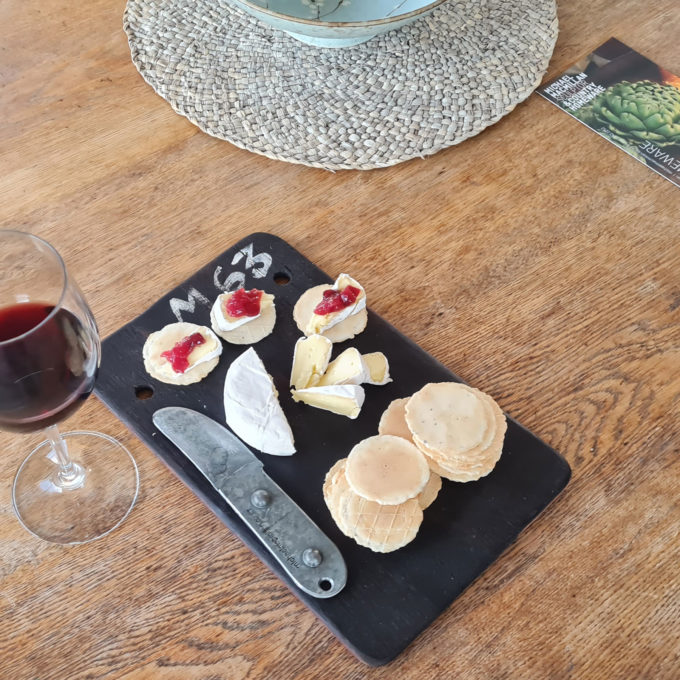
x,y
629,100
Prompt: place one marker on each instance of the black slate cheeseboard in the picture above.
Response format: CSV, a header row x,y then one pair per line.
x,y
389,598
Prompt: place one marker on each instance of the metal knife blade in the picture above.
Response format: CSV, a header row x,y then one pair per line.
x,y
306,554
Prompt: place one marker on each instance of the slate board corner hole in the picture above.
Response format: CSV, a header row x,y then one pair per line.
x,y
143,392
282,277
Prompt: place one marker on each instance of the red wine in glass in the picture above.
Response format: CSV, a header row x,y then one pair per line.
x,y
47,372
75,486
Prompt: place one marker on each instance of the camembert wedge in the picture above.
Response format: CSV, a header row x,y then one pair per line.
x,y
345,400
310,360
348,368
378,368
252,407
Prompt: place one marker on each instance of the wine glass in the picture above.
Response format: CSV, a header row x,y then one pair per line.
x,y
76,486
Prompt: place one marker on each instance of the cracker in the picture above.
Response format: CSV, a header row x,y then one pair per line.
x,y
332,476
386,469
348,328
428,495
382,528
393,420
335,484
492,442
447,417
345,330
449,454
449,461
454,476
458,471
249,333
489,414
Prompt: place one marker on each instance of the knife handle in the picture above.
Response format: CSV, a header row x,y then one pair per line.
x,y
306,554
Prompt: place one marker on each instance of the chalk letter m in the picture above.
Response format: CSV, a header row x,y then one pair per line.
x,y
177,305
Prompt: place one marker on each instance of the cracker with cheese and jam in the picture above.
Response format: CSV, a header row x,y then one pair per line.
x,y
243,317
181,353
337,311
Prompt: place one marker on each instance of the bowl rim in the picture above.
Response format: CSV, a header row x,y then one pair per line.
x,y
343,24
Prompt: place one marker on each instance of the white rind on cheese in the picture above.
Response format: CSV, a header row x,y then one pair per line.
x,y
378,368
204,357
310,360
345,400
319,323
252,407
348,368
249,333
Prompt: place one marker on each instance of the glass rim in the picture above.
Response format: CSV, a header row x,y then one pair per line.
x,y
60,261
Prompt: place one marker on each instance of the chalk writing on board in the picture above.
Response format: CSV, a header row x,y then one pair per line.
x,y
177,305
232,282
258,264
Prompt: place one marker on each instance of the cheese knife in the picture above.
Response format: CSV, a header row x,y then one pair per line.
x,y
305,553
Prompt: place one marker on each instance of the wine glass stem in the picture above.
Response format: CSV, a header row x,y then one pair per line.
x,y
70,474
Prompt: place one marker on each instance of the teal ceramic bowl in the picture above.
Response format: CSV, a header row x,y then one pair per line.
x,y
337,23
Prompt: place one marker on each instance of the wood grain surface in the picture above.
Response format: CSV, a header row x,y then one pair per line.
x,y
551,263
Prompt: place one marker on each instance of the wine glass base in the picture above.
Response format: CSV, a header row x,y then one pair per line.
x,y
70,514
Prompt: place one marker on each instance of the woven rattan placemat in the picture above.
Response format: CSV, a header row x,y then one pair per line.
x,y
405,94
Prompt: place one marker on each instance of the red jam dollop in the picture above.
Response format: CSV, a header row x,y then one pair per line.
x,y
335,300
244,302
178,356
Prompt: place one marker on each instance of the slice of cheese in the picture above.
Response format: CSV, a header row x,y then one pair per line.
x,y
347,368
345,400
252,407
225,322
378,368
310,360
319,323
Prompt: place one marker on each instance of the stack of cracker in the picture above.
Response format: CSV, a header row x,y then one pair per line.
x,y
378,493
459,429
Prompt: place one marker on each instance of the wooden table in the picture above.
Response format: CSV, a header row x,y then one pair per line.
x,y
552,262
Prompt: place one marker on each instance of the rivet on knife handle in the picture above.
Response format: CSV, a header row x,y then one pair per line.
x,y
307,555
